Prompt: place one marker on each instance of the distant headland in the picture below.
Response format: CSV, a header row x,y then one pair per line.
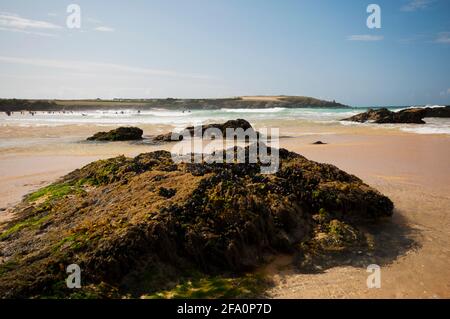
x,y
244,102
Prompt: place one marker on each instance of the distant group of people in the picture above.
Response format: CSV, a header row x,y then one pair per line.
x,y
9,113
32,113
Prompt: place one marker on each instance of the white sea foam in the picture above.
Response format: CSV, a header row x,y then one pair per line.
x,y
427,130
432,126
268,110
180,119
422,107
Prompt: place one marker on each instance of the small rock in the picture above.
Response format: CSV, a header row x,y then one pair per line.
x,y
119,134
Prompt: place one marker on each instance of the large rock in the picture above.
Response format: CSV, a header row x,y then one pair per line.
x,y
191,130
407,116
135,224
437,111
119,134
383,116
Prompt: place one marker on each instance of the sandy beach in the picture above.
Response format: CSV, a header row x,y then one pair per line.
x,y
409,168
413,171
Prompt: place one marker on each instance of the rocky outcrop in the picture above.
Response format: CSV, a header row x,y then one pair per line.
x,y
383,116
119,134
406,116
437,111
191,131
134,224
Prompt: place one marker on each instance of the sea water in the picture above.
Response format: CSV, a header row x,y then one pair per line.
x,y
183,118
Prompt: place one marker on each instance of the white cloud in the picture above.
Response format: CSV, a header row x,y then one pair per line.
x,y
104,29
12,21
85,66
414,5
365,37
42,34
443,37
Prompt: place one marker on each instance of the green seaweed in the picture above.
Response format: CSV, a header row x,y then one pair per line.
x,y
247,286
73,242
57,191
35,222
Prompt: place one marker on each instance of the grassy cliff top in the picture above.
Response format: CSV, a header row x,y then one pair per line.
x,y
169,103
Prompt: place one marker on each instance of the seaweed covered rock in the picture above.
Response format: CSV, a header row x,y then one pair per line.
x,y
119,134
128,222
438,111
406,116
222,127
384,116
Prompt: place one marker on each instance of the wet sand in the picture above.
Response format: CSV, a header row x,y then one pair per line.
x,y
414,172
411,169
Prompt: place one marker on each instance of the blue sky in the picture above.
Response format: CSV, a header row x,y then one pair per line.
x,y
223,48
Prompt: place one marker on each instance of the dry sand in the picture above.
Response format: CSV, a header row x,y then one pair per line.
x,y
411,169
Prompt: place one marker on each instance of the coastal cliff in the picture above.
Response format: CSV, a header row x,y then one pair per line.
x,y
14,105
